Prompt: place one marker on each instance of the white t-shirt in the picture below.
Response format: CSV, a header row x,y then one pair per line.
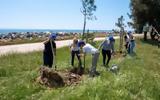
x,y
89,49
75,48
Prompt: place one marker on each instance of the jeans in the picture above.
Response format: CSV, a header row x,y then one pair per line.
x,y
132,46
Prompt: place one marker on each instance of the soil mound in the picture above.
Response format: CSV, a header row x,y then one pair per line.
x,y
79,70
50,78
54,79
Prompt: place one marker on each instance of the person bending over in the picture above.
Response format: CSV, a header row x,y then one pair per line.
x,y
89,49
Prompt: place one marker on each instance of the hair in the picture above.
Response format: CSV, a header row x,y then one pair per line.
x,y
75,41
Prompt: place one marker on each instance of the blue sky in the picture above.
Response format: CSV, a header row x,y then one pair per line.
x,y
59,14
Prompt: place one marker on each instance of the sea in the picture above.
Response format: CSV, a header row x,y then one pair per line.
x,y
5,31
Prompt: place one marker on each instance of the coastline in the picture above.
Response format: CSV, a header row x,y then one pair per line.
x,y
30,47
6,31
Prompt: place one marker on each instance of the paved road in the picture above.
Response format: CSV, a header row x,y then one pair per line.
x,y
24,48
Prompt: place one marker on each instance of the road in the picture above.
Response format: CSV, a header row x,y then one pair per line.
x,y
30,47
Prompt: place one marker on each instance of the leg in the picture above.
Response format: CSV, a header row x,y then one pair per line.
x,y
79,59
129,46
45,59
109,56
113,48
132,46
94,62
104,56
72,57
50,61
145,36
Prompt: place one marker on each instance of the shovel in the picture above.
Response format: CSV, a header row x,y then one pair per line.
x,y
54,58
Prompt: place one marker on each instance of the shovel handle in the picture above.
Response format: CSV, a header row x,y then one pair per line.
x,y
54,58
84,61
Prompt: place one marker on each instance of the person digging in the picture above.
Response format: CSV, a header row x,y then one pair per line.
x,y
49,52
89,49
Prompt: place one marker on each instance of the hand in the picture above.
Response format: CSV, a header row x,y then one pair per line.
x,y
81,55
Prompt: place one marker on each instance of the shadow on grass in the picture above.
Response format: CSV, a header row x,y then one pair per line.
x,y
150,41
133,54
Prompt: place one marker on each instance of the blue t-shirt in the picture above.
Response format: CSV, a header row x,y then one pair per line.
x,y
106,45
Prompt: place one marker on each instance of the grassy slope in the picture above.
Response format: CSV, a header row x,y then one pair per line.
x,y
139,78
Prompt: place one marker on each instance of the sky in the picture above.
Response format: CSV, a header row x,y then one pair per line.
x,y
59,14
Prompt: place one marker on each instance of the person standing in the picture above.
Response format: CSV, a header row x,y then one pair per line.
x,y
89,49
75,50
127,44
132,43
145,30
49,51
106,50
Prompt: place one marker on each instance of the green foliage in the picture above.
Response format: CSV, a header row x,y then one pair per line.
x,y
120,24
145,11
88,7
89,37
138,78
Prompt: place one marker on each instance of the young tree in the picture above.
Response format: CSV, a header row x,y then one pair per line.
x,y
120,24
88,7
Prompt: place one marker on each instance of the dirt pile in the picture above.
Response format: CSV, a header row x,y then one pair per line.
x,y
77,70
71,79
50,78
54,79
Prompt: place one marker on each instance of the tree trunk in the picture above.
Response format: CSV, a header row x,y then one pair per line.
x,y
121,41
84,27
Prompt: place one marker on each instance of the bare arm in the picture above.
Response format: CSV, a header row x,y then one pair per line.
x,y
101,45
82,54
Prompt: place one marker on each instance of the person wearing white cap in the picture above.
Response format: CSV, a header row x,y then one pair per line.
x,y
89,49
106,50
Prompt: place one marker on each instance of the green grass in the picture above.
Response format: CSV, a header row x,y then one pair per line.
x,y
138,78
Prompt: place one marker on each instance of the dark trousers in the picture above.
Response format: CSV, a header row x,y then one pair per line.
x,y
73,53
104,53
127,46
47,59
